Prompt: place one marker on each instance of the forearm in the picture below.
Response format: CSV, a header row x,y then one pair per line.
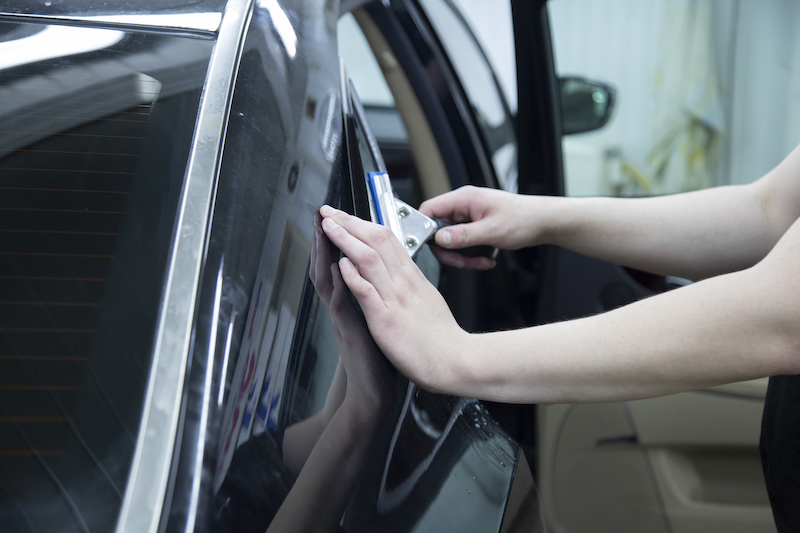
x,y
694,235
730,328
299,439
330,474
733,327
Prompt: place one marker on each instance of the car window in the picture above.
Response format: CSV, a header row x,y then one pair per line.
x,y
705,92
362,67
481,87
379,104
291,373
95,129
492,24
417,175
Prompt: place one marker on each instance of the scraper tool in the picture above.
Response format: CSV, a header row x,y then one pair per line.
x,y
409,225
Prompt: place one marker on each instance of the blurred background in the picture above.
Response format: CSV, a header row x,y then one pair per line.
x,y
707,91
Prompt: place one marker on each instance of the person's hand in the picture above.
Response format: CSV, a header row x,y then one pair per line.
x,y
366,377
484,216
370,378
406,315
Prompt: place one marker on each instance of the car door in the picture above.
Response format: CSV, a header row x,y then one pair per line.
x,y
684,462
272,357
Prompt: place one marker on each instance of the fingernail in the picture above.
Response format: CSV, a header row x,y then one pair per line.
x,y
326,210
345,263
447,238
328,224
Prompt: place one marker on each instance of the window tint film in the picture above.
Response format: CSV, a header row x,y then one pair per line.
x,y
95,127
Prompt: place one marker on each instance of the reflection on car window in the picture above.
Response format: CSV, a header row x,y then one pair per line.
x,y
95,127
362,67
481,87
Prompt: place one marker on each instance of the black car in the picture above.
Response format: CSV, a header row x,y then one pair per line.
x,y
176,350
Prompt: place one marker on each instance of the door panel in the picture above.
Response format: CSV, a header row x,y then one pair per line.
x,y
689,460
703,447
592,475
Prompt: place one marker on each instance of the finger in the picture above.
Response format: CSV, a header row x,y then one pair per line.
x,y
464,235
378,238
454,206
321,270
370,262
341,304
367,296
455,259
348,321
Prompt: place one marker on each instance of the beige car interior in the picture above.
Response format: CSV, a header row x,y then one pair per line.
x,y
682,463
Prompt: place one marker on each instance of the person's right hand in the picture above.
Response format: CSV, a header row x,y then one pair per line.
x,y
483,216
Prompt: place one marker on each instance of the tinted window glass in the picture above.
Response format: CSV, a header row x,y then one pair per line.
x,y
282,159
268,435
95,127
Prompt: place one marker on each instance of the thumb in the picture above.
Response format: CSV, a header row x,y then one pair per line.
x,y
461,235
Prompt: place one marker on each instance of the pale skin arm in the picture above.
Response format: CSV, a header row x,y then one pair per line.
x,y
738,326
730,328
332,448
694,235
299,439
330,474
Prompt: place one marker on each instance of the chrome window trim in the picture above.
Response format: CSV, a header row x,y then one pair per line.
x,y
178,24
150,470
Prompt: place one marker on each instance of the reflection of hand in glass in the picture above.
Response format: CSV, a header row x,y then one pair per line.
x,y
330,448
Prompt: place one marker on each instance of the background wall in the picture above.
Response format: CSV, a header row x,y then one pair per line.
x,y
663,56
491,23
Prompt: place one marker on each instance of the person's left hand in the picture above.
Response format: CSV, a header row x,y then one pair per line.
x,y
369,379
406,315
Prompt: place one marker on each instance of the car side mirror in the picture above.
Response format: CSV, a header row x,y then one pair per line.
x,y
585,105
